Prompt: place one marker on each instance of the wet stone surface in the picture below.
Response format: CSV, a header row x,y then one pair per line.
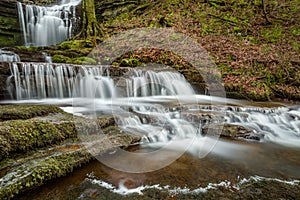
x,y
40,143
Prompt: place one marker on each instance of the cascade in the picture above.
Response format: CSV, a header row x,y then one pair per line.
x,y
45,26
150,83
9,56
139,102
280,125
46,80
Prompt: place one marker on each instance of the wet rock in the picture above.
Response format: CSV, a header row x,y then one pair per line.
x,y
27,131
10,31
230,131
106,122
37,171
32,54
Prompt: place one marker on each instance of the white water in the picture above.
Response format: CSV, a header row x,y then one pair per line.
x,y
48,59
150,83
40,81
9,56
46,80
150,104
280,125
45,26
123,190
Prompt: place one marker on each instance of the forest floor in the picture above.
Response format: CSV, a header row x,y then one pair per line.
x,y
256,47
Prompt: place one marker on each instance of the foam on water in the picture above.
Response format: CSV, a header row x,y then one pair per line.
x,y
123,190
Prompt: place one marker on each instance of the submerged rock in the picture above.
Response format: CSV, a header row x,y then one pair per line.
x,y
230,131
254,189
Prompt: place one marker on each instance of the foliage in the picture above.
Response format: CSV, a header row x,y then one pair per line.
x,y
255,45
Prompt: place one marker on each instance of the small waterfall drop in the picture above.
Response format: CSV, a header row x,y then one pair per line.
x,y
46,80
9,56
280,125
48,59
151,83
45,26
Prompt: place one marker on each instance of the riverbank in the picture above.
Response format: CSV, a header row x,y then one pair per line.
x,y
40,143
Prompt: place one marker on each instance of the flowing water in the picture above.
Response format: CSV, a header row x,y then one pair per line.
x,y
45,26
9,56
162,108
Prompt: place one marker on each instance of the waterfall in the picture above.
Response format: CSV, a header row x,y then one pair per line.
x,y
279,125
45,26
46,80
139,102
48,59
150,83
9,56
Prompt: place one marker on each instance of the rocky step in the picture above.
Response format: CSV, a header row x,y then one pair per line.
x,y
30,127
33,169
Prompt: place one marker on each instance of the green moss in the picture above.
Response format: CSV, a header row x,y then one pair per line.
x,y
72,44
61,59
12,112
129,62
273,34
19,136
41,170
83,60
23,135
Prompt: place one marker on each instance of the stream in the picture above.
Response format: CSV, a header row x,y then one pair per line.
x,y
170,121
190,143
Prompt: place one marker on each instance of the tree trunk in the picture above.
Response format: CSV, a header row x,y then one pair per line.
x,y
90,26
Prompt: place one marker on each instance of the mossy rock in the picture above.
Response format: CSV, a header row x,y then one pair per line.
x,y
22,135
61,59
19,136
13,112
37,171
129,62
83,60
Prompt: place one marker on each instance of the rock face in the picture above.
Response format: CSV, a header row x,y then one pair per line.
x,y
10,31
109,9
4,74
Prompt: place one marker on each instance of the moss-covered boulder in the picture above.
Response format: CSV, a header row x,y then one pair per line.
x,y
37,171
22,135
13,112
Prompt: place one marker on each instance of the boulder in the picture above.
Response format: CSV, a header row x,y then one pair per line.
x,y
230,131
